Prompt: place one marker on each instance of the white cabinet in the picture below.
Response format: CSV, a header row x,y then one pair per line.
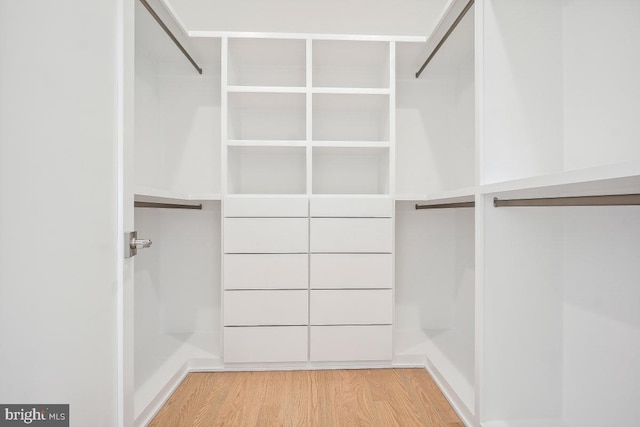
x,y
265,307
266,279
271,207
266,235
367,235
355,343
351,307
349,271
265,344
266,271
351,245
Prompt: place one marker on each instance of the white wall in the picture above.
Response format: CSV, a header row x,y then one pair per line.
x,y
177,110
601,320
522,321
58,211
386,17
177,282
523,107
601,85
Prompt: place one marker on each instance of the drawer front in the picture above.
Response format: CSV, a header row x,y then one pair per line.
x,y
351,235
266,207
265,344
334,271
266,271
345,207
351,307
350,343
251,308
266,235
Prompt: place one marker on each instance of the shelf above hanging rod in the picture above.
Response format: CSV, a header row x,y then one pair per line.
x,y
170,34
445,37
165,205
602,200
447,205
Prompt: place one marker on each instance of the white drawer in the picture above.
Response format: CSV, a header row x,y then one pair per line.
x,y
346,207
351,307
266,207
251,308
266,271
333,271
266,235
351,235
350,343
265,344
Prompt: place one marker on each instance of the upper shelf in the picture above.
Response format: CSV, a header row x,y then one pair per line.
x,y
305,36
620,178
145,194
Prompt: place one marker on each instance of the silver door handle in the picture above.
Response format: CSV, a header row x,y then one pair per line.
x,y
139,243
132,244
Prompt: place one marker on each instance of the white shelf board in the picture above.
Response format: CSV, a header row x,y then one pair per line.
x,y
146,194
621,178
265,143
414,197
460,195
266,89
305,36
351,90
351,144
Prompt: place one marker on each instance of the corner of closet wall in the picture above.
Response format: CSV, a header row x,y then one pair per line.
x,y
558,336
435,245
177,163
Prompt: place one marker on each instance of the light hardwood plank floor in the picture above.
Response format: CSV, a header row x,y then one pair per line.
x,y
357,397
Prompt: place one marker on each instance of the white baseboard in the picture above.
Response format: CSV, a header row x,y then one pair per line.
x,y
163,395
458,405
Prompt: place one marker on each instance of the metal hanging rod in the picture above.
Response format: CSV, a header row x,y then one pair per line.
x,y
604,200
170,34
165,205
447,205
445,37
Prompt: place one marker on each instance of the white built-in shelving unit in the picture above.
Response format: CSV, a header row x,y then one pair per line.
x,y
308,148
301,147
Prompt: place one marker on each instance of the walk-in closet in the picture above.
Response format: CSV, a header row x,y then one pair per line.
x,y
448,185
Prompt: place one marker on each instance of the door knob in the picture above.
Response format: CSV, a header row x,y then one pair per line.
x,y
132,244
139,243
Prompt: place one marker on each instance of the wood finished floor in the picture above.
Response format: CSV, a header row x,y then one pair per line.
x,y
367,397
